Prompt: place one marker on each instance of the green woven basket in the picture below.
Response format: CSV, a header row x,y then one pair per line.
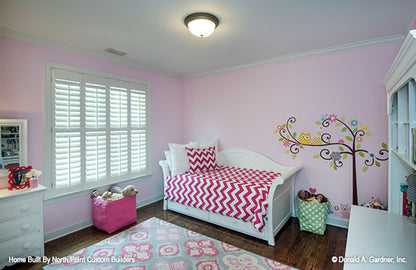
x,y
312,216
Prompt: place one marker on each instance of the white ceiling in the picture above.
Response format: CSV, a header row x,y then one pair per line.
x,y
251,32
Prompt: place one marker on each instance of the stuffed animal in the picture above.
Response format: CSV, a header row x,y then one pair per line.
x,y
304,195
94,193
312,200
309,197
115,189
129,190
109,196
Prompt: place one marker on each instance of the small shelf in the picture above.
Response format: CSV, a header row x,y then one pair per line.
x,y
404,159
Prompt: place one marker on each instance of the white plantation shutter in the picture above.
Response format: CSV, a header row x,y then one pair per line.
x,y
67,104
95,106
95,155
99,128
138,151
119,153
138,136
68,159
138,109
118,108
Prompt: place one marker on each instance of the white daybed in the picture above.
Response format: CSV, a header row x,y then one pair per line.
x,y
280,198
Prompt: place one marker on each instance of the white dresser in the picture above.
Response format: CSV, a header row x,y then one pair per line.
x,y
21,224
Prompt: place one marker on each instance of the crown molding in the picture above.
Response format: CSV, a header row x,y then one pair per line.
x,y
412,22
13,34
402,69
319,52
306,54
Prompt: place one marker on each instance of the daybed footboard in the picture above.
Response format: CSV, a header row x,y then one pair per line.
x,y
280,198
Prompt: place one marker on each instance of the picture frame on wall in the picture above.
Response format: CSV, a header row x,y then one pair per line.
x,y
17,177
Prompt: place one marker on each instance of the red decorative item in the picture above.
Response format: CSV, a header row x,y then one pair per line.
x,y
312,190
17,177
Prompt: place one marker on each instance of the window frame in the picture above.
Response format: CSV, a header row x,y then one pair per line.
x,y
49,138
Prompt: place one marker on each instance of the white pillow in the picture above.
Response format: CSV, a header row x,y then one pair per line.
x,y
180,162
168,156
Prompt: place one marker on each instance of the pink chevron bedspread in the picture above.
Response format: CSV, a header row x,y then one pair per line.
x,y
230,191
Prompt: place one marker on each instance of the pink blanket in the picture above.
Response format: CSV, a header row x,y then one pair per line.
x,y
230,191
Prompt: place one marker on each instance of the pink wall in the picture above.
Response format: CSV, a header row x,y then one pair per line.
x,y
243,108
22,69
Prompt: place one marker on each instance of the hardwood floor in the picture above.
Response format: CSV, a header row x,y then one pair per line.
x,y
296,248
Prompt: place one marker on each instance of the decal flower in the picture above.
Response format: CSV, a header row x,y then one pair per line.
x,y
286,143
348,144
354,123
332,118
335,156
364,127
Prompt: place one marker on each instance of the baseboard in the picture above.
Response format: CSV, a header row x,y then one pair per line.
x,y
52,235
149,200
337,221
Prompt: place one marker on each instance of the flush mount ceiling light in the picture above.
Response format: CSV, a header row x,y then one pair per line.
x,y
201,24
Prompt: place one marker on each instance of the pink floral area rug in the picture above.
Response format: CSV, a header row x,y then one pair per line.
x,y
155,245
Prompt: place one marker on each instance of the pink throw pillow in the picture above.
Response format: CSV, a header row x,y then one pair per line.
x,y
201,160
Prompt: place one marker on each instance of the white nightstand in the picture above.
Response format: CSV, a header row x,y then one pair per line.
x,y
380,240
21,224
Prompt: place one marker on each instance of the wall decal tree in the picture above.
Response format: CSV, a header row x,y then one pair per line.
x,y
349,144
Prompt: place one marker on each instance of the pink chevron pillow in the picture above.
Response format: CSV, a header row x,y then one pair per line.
x,y
201,160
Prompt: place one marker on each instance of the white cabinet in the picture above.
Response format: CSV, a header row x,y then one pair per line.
x,y
21,224
379,240
401,108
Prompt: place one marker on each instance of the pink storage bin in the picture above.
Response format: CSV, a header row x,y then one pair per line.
x,y
112,216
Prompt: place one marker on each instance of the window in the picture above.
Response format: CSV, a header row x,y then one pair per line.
x,y
97,128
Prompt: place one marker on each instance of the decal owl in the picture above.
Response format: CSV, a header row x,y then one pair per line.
x,y
305,138
317,141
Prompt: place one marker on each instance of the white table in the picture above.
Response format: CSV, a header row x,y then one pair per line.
x,y
379,240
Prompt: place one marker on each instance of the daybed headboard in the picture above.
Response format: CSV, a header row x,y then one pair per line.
x,y
249,159
244,158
